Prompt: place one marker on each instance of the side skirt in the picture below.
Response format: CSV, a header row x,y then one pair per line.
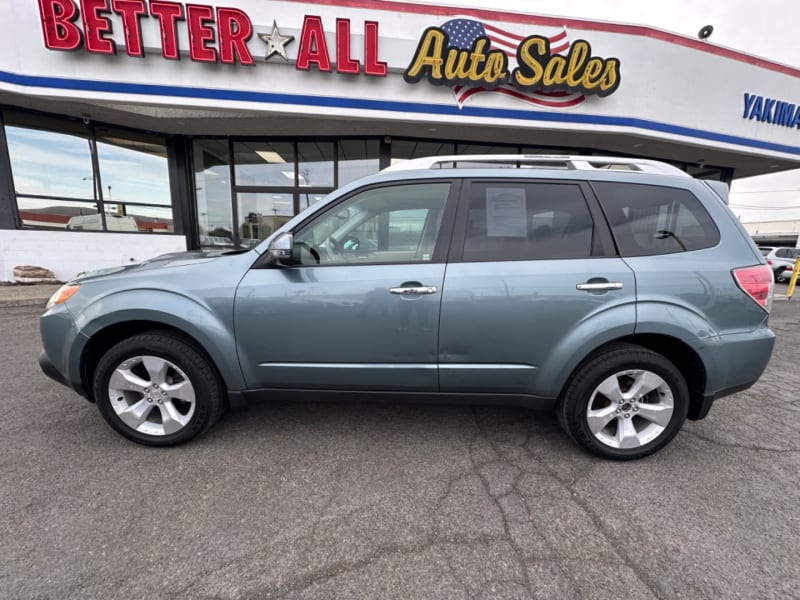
x,y
240,399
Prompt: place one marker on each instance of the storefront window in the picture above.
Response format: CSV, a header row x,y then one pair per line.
x,y
307,198
264,164
47,163
57,185
61,214
485,149
135,181
403,150
213,191
316,166
133,170
49,170
357,159
262,213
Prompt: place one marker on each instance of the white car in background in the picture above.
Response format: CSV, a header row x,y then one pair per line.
x,y
781,260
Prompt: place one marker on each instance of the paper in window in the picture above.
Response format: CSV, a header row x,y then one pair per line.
x,y
506,212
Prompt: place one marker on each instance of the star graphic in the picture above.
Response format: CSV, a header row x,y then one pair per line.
x,y
276,43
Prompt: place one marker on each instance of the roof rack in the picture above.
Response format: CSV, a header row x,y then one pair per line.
x,y
543,161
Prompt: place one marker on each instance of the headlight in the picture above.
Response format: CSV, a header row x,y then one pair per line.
x,y
63,294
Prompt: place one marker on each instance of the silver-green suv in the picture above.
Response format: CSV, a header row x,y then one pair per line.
x,y
622,293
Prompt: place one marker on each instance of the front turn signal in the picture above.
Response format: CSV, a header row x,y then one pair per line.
x,y
64,293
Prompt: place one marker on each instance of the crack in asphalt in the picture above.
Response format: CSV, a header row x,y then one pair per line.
x,y
741,446
599,526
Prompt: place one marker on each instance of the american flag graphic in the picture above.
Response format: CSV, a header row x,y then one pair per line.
x,y
462,33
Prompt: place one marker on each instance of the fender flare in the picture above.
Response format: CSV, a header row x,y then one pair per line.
x,y
186,314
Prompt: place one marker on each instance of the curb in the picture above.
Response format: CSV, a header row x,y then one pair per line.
x,y
24,302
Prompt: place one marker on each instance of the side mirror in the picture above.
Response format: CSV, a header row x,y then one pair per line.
x,y
281,249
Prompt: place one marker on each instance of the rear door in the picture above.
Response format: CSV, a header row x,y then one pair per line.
x,y
532,283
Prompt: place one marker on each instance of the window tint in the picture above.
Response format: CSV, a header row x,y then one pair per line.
x,y
518,221
382,225
648,220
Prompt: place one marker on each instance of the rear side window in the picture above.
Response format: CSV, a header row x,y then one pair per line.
x,y
790,253
527,221
647,220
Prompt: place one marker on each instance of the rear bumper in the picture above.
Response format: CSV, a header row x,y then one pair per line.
x,y
699,408
734,363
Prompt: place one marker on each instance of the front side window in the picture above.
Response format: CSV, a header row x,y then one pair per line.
x,y
527,221
396,224
648,220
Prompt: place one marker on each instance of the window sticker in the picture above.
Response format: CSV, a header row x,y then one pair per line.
x,y
506,212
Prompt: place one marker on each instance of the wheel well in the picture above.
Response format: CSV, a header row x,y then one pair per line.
x,y
683,356
104,339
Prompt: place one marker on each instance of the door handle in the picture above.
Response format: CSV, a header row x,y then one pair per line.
x,y
599,286
413,291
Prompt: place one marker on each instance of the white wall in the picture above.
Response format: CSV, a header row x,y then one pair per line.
x,y
69,253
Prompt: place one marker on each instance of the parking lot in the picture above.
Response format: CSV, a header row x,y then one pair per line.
x,y
355,500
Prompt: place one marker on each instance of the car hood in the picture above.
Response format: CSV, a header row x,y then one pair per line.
x,y
164,261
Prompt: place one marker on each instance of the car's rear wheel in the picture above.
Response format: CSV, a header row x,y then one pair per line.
x,y
158,389
625,402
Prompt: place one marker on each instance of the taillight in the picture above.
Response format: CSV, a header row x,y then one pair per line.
x,y
757,282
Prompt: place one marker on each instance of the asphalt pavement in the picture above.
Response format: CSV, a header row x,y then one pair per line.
x,y
350,500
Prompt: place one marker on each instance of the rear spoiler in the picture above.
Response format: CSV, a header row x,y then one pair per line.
x,y
720,189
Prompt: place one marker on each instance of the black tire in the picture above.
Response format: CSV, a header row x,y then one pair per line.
x,y
208,403
617,359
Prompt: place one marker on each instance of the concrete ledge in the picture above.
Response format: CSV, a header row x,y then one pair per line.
x,y
26,295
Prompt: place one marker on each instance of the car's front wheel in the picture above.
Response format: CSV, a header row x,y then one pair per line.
x,y
625,402
158,389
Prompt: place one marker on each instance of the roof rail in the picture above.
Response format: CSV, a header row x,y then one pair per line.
x,y
543,161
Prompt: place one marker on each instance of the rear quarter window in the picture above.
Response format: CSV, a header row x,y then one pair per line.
x,y
647,220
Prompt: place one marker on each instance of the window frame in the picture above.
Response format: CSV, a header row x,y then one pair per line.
x,y
602,245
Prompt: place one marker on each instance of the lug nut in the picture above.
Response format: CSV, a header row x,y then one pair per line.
x,y
149,399
627,416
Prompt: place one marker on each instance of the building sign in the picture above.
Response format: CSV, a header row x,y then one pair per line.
x,y
216,35
476,57
219,35
469,56
314,51
770,110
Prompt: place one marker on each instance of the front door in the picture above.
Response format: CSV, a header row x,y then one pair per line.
x,y
359,308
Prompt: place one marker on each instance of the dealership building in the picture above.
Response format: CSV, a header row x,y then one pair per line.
x,y
130,128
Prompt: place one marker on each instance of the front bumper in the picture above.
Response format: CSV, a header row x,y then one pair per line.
x,y
50,369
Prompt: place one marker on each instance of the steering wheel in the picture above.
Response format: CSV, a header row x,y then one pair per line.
x,y
334,247
311,250
351,243
344,250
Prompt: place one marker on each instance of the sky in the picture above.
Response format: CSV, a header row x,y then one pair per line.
x,y
767,28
